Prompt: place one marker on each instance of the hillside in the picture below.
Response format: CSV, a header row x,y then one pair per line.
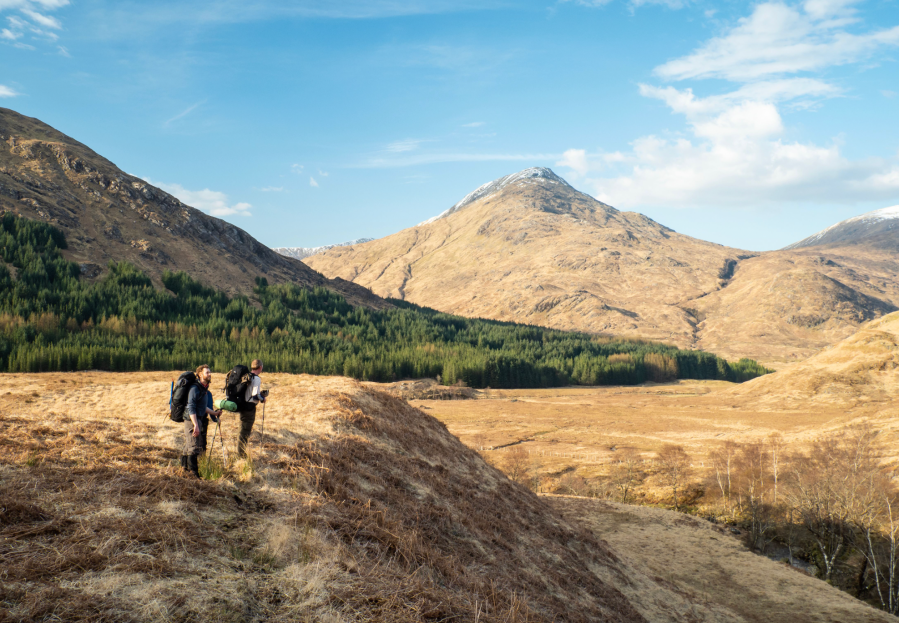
x,y
878,228
357,508
861,370
107,214
529,247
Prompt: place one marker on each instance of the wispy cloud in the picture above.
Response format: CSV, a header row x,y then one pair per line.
x,y
184,113
398,147
272,189
778,39
297,168
210,201
31,20
418,159
6,91
473,124
44,20
312,182
673,4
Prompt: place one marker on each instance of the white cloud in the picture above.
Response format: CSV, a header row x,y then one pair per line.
x,y
473,124
576,160
6,91
44,20
323,173
39,24
296,168
734,157
210,201
734,150
773,91
778,39
312,182
272,189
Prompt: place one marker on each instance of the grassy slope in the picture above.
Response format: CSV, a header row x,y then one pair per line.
x,y
360,508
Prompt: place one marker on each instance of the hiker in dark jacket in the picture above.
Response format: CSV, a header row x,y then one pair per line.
x,y
247,407
199,409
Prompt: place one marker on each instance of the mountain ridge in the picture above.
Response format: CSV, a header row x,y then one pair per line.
x,y
529,247
877,227
108,214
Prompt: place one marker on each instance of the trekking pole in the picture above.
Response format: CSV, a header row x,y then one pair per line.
x,y
222,441
217,425
262,434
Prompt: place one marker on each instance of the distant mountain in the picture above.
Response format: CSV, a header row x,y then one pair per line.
x,y
528,247
877,228
299,253
107,214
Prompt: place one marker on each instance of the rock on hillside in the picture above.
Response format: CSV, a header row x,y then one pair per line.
x,y
878,228
530,248
861,370
107,214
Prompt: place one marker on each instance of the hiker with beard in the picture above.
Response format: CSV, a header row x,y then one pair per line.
x,y
199,409
247,407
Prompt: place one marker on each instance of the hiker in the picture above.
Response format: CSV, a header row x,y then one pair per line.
x,y
246,408
199,409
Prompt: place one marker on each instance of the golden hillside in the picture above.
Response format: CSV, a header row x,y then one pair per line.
x,y
538,251
530,248
862,370
107,214
358,507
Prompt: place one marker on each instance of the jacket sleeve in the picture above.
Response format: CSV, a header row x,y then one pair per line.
x,y
192,401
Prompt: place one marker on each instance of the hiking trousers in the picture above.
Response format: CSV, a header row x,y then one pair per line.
x,y
195,446
247,419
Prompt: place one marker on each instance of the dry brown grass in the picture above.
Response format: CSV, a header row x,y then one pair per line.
x,y
357,507
687,569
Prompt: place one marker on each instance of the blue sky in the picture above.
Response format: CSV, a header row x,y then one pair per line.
x,y
313,122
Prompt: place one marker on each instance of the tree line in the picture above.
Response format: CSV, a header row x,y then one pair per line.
x,y
53,320
833,504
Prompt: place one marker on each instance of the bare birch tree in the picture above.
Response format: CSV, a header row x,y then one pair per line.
x,y
626,474
674,468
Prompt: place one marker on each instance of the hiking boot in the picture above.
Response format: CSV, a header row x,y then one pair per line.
x,y
193,464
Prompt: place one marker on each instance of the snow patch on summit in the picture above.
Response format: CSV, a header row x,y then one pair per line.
x,y
299,253
527,176
864,221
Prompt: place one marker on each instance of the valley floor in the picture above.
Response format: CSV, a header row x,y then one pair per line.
x,y
359,507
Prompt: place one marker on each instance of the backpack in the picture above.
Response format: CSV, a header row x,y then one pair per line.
x,y
236,384
180,390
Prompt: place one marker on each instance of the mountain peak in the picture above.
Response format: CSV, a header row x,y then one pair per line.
x,y
531,175
882,223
